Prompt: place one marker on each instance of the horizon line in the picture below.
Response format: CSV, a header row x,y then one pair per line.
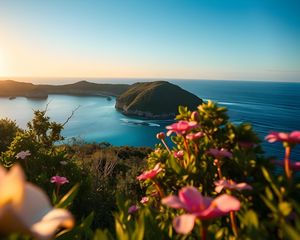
x,y
15,78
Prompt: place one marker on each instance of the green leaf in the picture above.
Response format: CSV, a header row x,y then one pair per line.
x,y
175,166
290,232
285,208
269,179
139,229
269,193
269,204
68,198
121,234
181,109
102,235
250,219
87,222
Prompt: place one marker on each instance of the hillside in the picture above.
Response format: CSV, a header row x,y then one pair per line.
x,y
9,88
155,100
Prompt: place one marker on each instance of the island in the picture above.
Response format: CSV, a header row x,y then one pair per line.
x,y
149,100
155,100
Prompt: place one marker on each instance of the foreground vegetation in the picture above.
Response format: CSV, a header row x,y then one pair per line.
x,y
214,182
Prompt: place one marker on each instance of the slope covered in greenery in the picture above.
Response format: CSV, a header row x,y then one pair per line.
x,y
156,100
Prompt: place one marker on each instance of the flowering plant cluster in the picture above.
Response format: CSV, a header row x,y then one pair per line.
x,y
213,182
209,180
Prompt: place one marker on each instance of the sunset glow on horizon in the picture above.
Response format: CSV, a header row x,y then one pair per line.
x,y
239,40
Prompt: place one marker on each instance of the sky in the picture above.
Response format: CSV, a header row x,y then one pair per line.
x,y
185,39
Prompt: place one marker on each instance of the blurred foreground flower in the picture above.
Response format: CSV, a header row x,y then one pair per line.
x,y
198,206
59,180
151,173
25,208
194,136
144,200
23,154
293,137
181,127
230,184
178,154
219,153
133,209
288,140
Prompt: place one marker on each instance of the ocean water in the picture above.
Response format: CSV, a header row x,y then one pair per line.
x,y
267,106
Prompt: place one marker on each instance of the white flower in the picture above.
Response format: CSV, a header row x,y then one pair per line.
x,y
25,208
23,154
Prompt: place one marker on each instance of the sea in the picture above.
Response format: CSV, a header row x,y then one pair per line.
x,y
268,106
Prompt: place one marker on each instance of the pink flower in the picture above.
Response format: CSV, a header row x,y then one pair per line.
x,y
151,173
23,154
194,136
198,206
293,137
178,154
295,166
229,184
133,209
219,153
182,127
144,200
161,135
59,180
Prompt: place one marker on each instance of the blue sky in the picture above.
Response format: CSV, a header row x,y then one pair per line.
x,y
234,39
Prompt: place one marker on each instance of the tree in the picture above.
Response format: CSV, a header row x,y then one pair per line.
x,y
8,131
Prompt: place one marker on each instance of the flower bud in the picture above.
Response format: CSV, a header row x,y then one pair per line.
x,y
195,116
161,136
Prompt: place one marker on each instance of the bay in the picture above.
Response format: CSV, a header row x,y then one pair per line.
x,y
267,106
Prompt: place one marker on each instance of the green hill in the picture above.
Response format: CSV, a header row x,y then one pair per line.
x,y
155,100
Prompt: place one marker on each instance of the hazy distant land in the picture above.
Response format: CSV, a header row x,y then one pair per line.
x,y
151,100
10,88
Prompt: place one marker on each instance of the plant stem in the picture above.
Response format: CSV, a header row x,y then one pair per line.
x,y
158,188
57,189
203,231
219,169
233,223
187,148
166,146
287,162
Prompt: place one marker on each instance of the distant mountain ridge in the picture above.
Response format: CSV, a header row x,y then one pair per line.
x,y
10,88
151,100
155,100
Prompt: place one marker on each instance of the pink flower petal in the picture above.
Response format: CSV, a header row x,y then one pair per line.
x,y
193,200
226,203
151,173
46,228
133,209
219,188
220,206
295,136
173,202
184,224
243,186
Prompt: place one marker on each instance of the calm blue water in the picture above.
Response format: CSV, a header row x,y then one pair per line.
x,y
267,106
